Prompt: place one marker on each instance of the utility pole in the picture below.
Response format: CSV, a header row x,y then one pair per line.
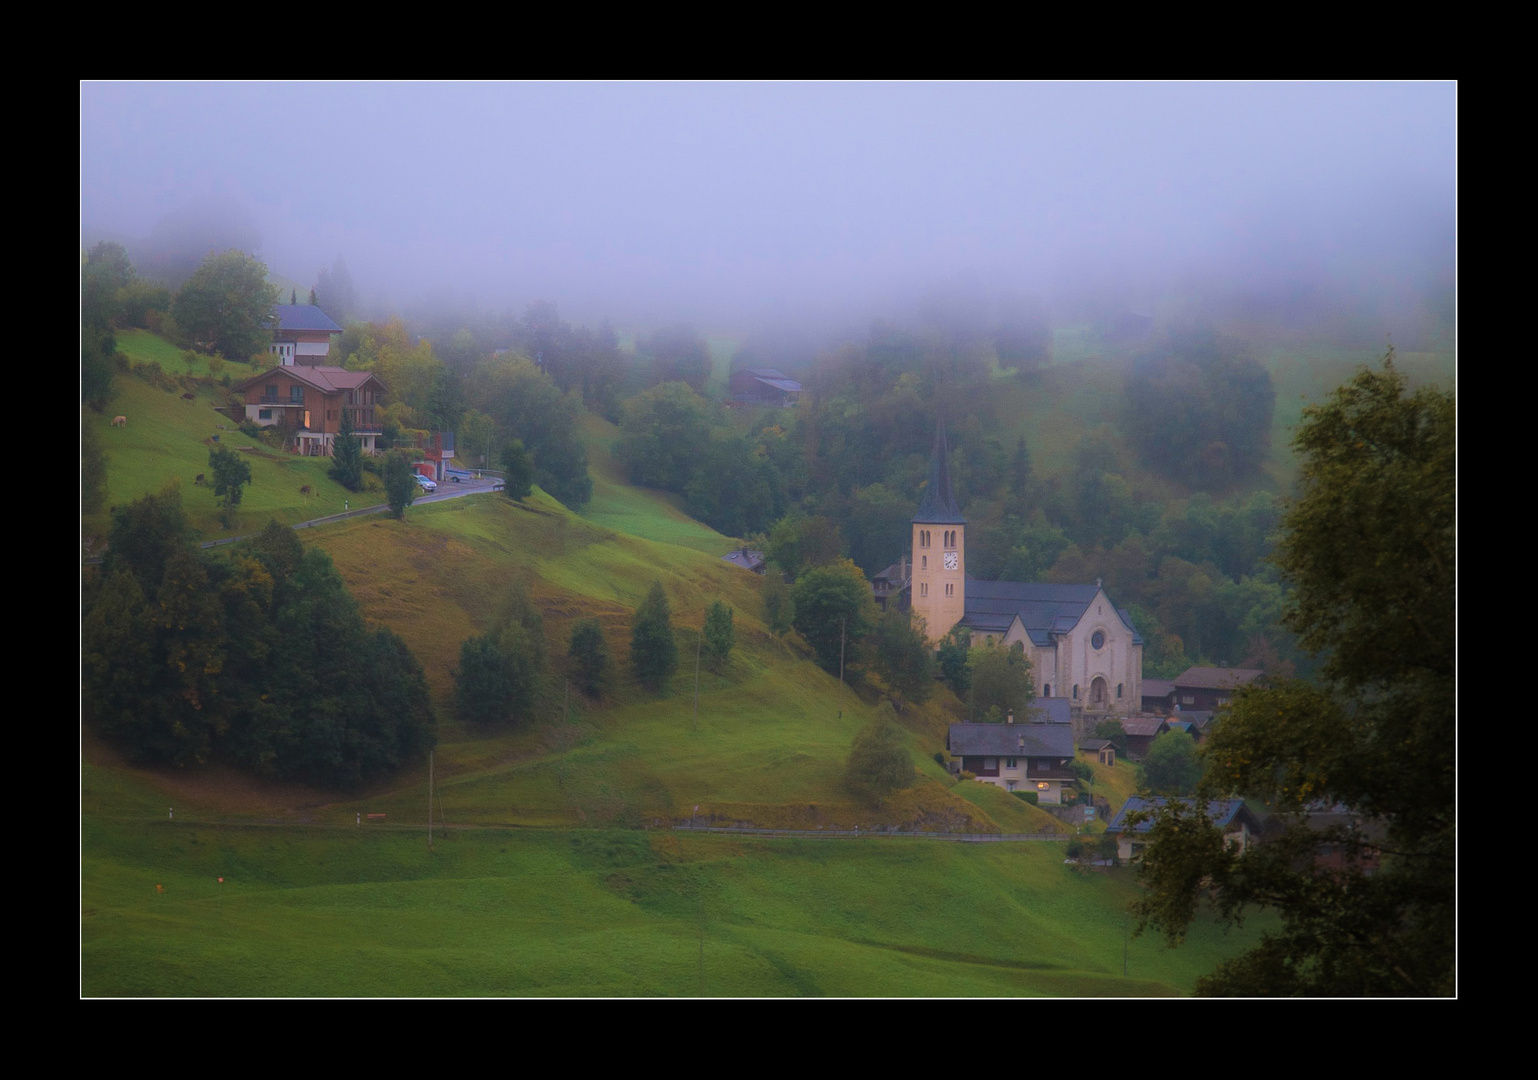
x,y
429,800
699,643
841,625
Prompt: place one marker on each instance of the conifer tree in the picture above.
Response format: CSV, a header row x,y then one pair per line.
x,y
653,650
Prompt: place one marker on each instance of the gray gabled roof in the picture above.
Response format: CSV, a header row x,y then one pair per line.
x,y
1044,609
304,317
1051,710
1221,812
1011,740
1216,678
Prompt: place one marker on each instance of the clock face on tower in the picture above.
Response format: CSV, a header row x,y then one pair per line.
x,y
950,560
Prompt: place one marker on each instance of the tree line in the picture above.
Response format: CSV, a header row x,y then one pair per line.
x,y
257,655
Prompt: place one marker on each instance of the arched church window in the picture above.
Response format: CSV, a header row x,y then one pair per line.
x,y
1076,691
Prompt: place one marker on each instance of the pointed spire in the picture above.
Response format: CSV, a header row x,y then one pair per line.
x,y
939,504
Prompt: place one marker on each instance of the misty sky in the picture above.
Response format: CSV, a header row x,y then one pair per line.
x,y
720,202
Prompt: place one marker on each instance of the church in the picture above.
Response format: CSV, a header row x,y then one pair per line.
x,y
1081,646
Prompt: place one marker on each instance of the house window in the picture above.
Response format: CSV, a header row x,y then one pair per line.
x,y
1188,699
990,763
296,394
271,391
264,414
1011,763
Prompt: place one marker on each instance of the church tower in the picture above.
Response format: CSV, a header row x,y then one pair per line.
x,y
939,581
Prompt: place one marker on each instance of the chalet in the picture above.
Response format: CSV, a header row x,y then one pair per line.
x,y
1158,696
306,403
1026,757
767,388
1081,645
1210,688
1141,732
1240,826
302,336
1102,750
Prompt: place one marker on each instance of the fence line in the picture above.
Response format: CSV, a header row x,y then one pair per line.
x,y
968,838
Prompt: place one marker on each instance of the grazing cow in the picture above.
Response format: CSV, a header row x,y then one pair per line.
x,y
305,490
120,421
189,397
199,480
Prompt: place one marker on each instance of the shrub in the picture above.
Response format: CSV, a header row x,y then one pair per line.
x,y
879,762
1074,849
940,758
965,775
1029,796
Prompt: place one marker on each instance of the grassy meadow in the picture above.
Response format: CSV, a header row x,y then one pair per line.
x,y
556,870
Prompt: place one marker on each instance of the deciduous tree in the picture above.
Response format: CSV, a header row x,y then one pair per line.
x,y
227,305
719,634
834,612
1370,549
231,474
879,762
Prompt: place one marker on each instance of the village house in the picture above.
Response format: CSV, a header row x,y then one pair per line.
x,y
1025,757
748,560
1240,826
1081,646
302,335
306,403
1210,688
767,388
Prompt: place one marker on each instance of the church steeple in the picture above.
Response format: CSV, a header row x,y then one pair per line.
x,y
939,583
938,506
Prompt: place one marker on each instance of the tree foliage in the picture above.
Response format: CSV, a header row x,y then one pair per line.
x,y
1370,550
260,655
501,672
653,649
999,682
518,474
227,305
527,403
231,473
719,634
1171,767
879,762
400,482
347,455
903,656
1199,409
779,608
834,612
589,653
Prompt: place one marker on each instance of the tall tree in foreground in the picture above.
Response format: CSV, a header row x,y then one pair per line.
x,y
653,650
231,474
347,455
1370,549
400,483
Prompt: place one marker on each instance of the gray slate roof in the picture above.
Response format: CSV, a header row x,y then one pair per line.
x,y
304,317
1050,710
1011,740
1222,813
939,504
775,378
1044,609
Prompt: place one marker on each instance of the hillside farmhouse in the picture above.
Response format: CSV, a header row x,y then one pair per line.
x,y
306,402
1207,688
1027,757
767,388
1081,646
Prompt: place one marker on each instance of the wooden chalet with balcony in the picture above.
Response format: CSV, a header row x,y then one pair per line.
x,y
1017,757
306,403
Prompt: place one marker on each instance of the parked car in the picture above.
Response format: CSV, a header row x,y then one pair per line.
x,y
425,484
